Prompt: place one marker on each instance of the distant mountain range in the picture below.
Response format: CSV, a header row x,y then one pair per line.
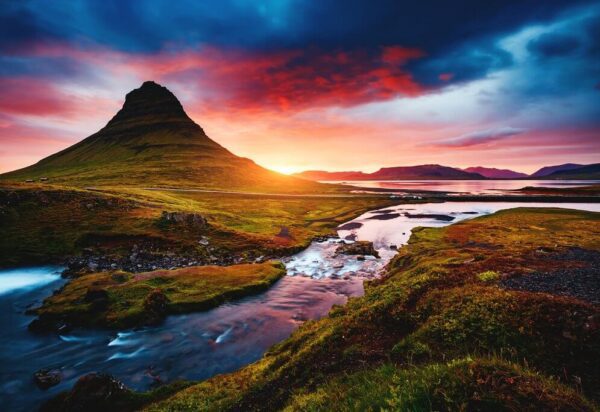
x,y
548,170
438,172
152,142
421,172
493,173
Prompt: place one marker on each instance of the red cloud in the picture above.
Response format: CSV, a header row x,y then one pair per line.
x,y
30,96
446,76
288,80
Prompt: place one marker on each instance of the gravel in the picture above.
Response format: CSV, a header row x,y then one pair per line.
x,y
579,282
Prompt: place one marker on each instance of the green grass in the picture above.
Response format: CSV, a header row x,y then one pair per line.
x,y
127,295
432,335
47,224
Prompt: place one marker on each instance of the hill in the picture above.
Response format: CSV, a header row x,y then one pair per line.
x,y
151,141
493,173
589,172
421,172
320,175
548,170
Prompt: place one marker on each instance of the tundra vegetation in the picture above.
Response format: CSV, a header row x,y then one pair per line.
x,y
433,335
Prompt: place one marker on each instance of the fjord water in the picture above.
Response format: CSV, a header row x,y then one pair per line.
x,y
466,186
200,345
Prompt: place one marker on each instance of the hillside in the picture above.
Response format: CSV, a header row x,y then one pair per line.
x,y
320,175
151,141
493,173
548,170
589,172
420,172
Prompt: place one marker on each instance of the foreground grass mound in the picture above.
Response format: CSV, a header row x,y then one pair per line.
x,y
122,300
436,334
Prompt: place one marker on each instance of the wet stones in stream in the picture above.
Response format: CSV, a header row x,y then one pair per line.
x,y
92,392
359,248
46,378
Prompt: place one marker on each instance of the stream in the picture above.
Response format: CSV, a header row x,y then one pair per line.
x,y
200,345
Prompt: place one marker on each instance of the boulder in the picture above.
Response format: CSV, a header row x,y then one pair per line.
x,y
92,392
194,220
46,378
155,307
361,247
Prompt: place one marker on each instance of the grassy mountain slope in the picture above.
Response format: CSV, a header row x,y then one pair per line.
x,y
152,142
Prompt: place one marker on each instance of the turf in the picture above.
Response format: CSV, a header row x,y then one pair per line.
x,y
121,300
438,332
48,224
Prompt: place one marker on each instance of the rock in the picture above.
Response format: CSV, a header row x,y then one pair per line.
x,y
386,216
442,218
284,232
46,378
93,266
360,257
357,248
350,226
155,306
189,219
92,392
338,265
97,297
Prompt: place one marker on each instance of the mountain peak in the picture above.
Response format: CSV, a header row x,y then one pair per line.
x,y
151,102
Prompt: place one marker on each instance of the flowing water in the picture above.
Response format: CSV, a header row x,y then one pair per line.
x,y
200,345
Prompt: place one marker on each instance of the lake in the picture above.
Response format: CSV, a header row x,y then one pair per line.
x,y
464,186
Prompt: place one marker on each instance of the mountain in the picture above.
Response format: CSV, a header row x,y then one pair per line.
x,y
152,142
421,172
548,170
319,175
589,172
493,173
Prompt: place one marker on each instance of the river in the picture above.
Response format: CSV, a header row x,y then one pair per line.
x,y
199,345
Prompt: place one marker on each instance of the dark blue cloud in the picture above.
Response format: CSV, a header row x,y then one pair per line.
x,y
458,37
554,44
277,24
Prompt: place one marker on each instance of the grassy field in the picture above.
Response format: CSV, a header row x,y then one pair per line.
x,y
46,224
439,332
122,300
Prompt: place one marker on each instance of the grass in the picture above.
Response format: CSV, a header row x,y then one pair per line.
x,y
122,300
431,335
47,224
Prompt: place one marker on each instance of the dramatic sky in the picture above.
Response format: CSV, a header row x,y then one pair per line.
x,y
314,84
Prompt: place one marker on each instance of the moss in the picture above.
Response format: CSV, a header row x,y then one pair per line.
x,y
426,316
482,385
488,276
47,224
146,298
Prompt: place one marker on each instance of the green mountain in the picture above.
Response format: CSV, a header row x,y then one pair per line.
x,y
152,142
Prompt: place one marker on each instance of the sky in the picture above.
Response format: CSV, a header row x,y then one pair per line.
x,y
314,85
